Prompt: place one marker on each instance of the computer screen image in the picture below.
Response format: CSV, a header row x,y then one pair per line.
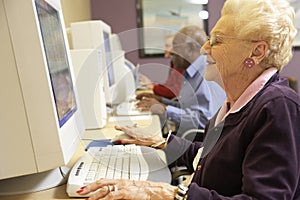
x,y
41,122
57,60
109,59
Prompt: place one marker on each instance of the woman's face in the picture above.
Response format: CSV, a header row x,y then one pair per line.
x,y
225,53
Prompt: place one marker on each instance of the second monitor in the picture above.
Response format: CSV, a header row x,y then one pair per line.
x,y
118,79
88,70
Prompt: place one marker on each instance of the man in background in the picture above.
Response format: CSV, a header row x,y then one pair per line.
x,y
171,88
199,99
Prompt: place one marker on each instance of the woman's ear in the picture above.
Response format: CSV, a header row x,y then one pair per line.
x,y
259,51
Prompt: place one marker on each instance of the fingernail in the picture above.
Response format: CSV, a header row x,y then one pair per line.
x,y
79,191
119,141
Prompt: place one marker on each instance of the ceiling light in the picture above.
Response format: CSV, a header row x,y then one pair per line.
x,y
203,14
198,1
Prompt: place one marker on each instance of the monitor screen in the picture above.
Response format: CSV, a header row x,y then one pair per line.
x,y
108,58
57,60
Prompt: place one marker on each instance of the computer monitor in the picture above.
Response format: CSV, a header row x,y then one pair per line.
x,y
121,62
93,34
40,119
135,71
124,88
116,42
97,34
88,70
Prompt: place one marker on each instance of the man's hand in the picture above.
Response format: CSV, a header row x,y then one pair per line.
x,y
152,105
148,95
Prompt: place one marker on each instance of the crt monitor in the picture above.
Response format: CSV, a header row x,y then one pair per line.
x,y
87,69
116,46
115,70
116,42
40,123
123,69
94,34
97,34
124,87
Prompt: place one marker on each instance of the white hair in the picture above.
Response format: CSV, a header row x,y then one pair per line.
x,y
265,20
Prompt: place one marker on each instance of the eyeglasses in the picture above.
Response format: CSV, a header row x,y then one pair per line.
x,y
216,39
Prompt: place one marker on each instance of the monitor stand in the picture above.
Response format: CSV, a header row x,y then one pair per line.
x,y
34,182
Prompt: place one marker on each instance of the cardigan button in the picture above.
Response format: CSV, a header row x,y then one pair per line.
x,y
199,167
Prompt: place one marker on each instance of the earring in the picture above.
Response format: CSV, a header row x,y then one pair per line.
x,y
249,62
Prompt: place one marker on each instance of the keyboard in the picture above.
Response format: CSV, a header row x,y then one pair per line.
x,y
117,162
129,108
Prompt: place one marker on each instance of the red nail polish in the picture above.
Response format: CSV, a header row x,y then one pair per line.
x,y
83,187
79,191
119,141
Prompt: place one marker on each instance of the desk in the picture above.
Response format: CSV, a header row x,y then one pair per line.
x,y
59,193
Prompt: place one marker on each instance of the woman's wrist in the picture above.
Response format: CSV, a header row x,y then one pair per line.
x,y
160,144
181,192
162,191
163,143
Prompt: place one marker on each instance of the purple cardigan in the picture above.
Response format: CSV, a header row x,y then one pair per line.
x,y
257,153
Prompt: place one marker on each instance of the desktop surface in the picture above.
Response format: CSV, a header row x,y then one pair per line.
x,y
57,193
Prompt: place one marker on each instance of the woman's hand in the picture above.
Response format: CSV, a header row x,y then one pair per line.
x,y
128,189
138,136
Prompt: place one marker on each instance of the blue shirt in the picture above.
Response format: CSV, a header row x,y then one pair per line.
x,y
198,100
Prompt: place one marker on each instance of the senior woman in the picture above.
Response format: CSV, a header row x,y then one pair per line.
x,y
251,147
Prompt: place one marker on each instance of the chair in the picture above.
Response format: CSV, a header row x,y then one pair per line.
x,y
180,173
293,83
193,135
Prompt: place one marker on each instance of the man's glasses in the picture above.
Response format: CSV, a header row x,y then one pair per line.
x,y
216,39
